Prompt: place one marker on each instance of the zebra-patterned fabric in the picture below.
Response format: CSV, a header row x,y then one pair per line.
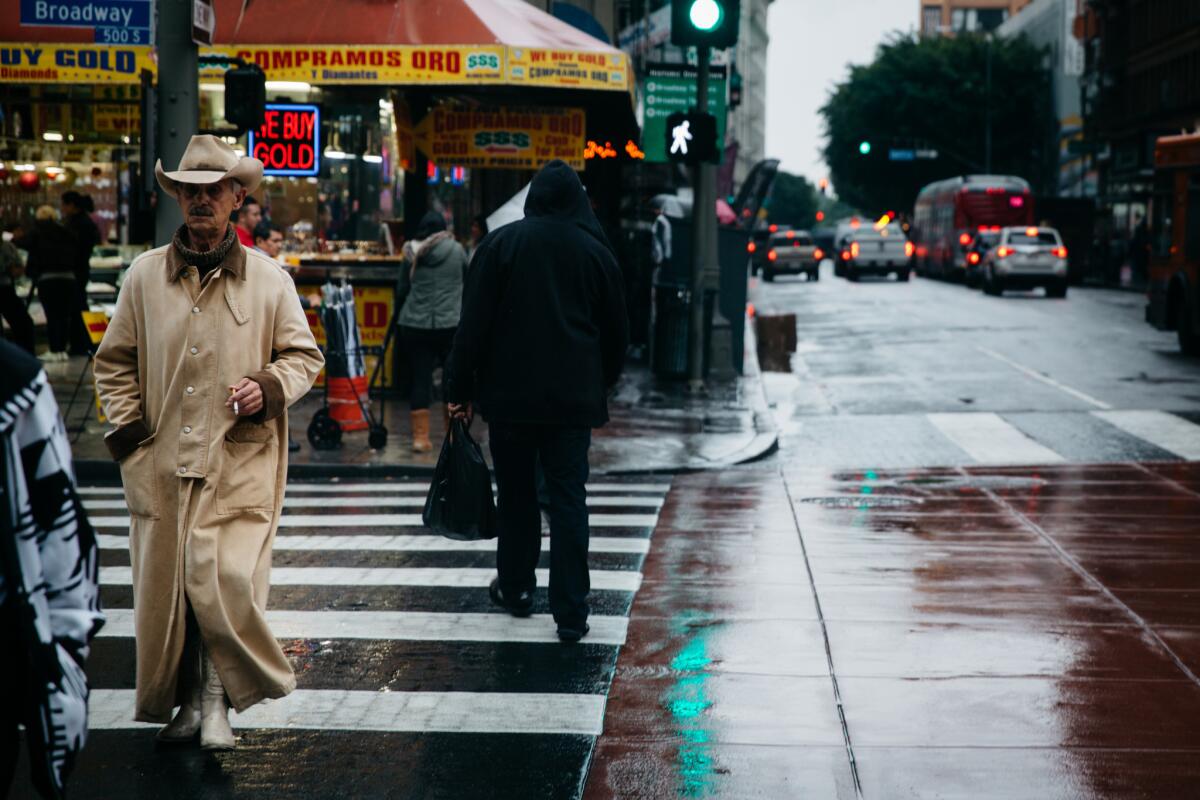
x,y
49,579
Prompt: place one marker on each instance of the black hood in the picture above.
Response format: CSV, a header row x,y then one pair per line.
x,y
431,223
557,193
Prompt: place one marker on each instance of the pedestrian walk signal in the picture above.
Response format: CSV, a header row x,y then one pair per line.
x,y
711,23
692,138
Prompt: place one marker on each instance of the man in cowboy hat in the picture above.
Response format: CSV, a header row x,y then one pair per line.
x,y
206,350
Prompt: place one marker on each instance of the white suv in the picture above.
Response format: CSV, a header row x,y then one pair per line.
x,y
1024,258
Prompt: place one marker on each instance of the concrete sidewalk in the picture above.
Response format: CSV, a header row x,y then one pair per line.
x,y
949,633
656,427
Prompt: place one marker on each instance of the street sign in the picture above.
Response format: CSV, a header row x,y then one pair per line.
x,y
902,155
691,137
289,140
927,154
112,21
204,22
671,88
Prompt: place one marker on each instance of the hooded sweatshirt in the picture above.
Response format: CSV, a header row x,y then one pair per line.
x,y
544,329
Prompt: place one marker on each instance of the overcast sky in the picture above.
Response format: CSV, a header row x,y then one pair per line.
x,y
812,44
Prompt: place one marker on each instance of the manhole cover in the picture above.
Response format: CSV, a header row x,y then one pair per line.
x,y
861,501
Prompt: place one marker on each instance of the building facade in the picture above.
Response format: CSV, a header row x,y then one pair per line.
x,y
949,17
1051,25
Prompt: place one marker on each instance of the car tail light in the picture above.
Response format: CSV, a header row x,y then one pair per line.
x,y
772,228
973,258
750,248
909,247
1004,252
845,255
854,249
1061,252
964,239
818,254
1031,233
772,255
791,234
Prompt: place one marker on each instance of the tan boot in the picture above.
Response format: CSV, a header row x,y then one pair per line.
x,y
186,724
420,431
215,733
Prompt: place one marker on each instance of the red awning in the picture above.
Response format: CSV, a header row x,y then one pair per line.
x,y
514,23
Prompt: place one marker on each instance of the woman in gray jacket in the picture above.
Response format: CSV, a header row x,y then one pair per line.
x,y
431,292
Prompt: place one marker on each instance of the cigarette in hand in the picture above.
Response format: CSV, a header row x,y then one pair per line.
x,y
236,413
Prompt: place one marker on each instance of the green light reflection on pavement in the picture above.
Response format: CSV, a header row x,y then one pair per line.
x,y
687,700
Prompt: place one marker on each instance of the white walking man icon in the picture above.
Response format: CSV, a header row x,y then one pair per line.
x,y
681,134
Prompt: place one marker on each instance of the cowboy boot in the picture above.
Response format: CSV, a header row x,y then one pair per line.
x,y
186,724
215,733
420,431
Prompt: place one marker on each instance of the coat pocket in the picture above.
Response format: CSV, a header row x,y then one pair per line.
x,y
247,481
140,480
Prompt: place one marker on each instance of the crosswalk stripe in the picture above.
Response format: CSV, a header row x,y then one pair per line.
x,y
426,543
408,626
390,502
990,440
1160,428
414,488
397,520
454,577
414,712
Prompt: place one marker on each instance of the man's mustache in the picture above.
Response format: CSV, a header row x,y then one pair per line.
x,y
201,211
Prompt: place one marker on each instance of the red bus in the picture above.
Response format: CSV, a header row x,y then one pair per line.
x,y
949,214
1174,291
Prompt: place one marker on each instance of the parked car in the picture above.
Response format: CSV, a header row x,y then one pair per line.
x,y
792,253
868,251
760,243
985,240
1025,258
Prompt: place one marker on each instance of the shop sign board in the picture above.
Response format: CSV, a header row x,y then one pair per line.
x,y
369,64
289,140
204,22
113,21
503,138
72,63
373,310
584,70
671,88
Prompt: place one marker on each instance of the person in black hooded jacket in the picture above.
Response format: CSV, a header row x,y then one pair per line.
x,y
540,343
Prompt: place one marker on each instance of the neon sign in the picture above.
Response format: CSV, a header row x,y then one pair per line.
x,y
288,141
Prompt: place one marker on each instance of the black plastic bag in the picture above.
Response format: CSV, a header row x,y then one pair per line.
x,y
459,504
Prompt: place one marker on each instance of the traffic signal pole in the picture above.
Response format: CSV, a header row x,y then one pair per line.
x,y
704,236
178,104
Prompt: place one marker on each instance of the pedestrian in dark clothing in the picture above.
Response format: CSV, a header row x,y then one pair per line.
x,y
431,285
77,209
541,342
12,307
51,265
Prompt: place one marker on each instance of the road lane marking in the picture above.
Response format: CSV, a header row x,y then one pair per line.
x,y
407,626
416,488
451,577
290,501
397,520
1046,379
990,440
409,712
1159,428
421,543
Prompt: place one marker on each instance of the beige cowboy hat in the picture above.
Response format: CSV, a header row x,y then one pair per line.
x,y
207,159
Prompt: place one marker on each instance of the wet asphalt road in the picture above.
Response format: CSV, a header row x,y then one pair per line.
x,y
927,373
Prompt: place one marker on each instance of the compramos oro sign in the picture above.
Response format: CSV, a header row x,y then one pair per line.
x,y
288,143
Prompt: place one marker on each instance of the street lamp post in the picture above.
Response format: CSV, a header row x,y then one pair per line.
x,y
704,236
178,105
987,128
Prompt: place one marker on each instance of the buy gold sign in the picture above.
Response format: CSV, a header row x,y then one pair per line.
x,y
503,138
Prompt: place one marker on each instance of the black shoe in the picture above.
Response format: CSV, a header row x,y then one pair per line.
x,y
293,445
572,633
520,606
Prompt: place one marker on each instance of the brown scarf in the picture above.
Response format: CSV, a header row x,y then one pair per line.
x,y
203,261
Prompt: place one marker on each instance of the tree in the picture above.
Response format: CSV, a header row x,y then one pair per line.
x,y
931,93
793,201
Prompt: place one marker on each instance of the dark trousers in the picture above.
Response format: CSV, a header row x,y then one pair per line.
x,y
59,301
13,677
563,454
81,343
426,350
13,310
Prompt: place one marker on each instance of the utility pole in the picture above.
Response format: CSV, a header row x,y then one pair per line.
x,y
987,128
178,103
704,235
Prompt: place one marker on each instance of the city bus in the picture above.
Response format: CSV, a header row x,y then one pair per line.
x,y
949,214
1174,292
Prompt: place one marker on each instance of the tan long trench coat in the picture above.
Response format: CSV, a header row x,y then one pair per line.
x,y
204,488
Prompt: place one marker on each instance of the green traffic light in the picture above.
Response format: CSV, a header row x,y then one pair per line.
x,y
864,148
705,15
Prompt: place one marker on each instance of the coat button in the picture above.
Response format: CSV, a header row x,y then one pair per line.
x,y
187,428
195,350
191,390
182,470
195,309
